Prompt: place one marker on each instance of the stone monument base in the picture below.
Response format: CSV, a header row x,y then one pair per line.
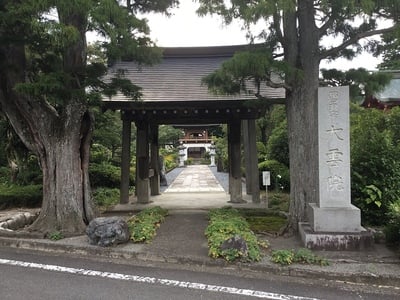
x,y
334,228
335,219
335,240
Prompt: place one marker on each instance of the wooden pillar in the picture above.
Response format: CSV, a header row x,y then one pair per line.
x,y
253,161
154,160
125,159
235,176
142,162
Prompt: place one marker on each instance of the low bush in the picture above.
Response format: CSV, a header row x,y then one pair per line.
x,y
104,175
227,223
106,197
20,196
392,229
107,175
143,226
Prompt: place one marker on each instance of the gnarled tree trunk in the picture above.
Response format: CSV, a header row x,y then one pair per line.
x,y
60,138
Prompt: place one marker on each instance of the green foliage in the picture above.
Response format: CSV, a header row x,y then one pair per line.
x,y
361,81
169,135
107,175
20,196
392,229
279,201
226,223
55,236
375,165
280,178
278,144
106,197
302,256
143,226
170,159
104,175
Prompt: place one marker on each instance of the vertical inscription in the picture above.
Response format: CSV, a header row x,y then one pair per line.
x,y
334,146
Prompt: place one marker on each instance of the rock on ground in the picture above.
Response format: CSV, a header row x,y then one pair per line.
x,y
108,231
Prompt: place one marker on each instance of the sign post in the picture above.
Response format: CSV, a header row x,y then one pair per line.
x,y
267,182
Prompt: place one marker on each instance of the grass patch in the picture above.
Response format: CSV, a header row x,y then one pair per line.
x,y
227,223
143,226
264,221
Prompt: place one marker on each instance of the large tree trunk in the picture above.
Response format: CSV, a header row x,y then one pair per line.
x,y
60,138
67,204
302,111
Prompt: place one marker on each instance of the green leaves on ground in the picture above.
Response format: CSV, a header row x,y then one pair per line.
x,y
226,223
143,226
302,256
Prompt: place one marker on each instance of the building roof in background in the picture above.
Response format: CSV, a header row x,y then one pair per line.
x,y
392,91
178,76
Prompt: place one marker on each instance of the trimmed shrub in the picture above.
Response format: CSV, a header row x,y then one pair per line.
x,y
107,175
104,175
20,196
106,197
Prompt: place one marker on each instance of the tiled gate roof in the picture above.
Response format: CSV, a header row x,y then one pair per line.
x,y
178,76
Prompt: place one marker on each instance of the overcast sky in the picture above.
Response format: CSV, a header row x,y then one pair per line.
x,y
185,29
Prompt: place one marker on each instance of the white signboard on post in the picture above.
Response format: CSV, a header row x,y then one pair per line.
x,y
266,178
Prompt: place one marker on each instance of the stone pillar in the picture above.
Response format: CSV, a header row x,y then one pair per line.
x,y
154,161
251,159
235,176
334,223
125,159
142,162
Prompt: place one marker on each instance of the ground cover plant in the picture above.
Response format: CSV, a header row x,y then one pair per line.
x,y
143,226
225,224
302,256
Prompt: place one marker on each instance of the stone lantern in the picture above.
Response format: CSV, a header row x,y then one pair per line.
x,y
212,155
181,149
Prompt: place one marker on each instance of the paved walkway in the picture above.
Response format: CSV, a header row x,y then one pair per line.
x,y
197,178
196,187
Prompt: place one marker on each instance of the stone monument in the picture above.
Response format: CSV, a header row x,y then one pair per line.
x,y
334,223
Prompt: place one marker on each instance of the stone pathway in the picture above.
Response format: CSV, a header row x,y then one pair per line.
x,y
198,178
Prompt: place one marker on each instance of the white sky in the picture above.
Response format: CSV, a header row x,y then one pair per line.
x,y
185,29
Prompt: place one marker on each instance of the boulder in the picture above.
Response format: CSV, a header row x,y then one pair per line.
x,y
108,231
235,242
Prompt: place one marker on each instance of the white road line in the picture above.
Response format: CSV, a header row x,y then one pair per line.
x,y
153,280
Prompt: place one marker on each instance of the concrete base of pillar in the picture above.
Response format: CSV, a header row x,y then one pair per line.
x,y
236,191
143,191
334,219
335,240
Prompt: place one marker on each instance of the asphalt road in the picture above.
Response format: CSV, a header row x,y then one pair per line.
x,y
32,275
